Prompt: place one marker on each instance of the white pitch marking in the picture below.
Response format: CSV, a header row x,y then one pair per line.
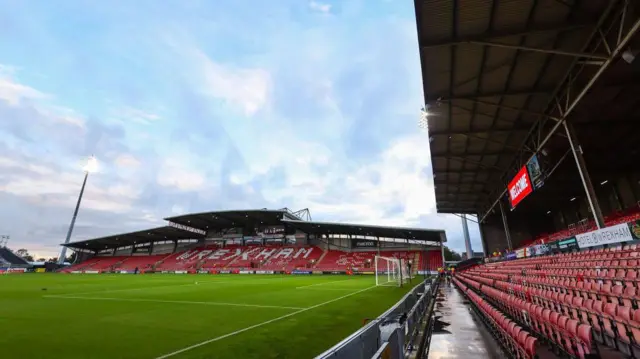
x,y
140,288
170,301
313,285
330,289
169,286
258,325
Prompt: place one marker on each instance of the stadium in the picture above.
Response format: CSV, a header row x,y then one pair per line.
x,y
532,114
273,277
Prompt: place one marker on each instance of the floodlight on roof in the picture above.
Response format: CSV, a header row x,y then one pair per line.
x,y
423,122
91,166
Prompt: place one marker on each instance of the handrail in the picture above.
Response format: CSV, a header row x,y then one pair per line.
x,y
335,350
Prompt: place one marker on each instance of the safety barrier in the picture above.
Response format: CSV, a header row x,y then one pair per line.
x,y
391,334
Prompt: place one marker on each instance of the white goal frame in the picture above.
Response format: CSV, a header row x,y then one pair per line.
x,y
391,271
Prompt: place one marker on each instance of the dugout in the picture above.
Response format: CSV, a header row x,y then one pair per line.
x,y
532,113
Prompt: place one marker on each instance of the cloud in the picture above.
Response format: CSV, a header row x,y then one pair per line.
x,y
175,173
13,93
139,116
244,88
127,160
320,7
209,107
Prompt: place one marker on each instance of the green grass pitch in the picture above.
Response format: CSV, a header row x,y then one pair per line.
x,y
183,316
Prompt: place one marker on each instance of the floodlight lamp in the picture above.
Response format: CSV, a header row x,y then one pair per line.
x,y
423,122
628,56
91,166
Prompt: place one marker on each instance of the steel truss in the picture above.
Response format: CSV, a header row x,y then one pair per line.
x,y
613,31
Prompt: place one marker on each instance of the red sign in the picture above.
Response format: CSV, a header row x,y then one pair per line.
x,y
520,187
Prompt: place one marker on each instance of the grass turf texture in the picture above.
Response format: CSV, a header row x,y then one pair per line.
x,y
150,316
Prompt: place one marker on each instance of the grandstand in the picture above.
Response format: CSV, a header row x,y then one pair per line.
x,y
257,240
9,261
533,124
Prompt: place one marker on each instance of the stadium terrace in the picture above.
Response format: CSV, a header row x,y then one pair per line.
x,y
257,240
532,113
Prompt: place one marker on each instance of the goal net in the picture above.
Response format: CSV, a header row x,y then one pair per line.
x,y
391,271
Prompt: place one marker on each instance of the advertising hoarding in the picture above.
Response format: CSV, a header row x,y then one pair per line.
x,y
608,235
363,243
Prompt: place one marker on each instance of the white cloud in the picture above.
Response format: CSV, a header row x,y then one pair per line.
x,y
127,160
320,7
293,156
13,92
129,114
42,184
365,192
175,173
244,88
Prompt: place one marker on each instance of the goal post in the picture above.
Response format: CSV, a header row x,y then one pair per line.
x,y
391,271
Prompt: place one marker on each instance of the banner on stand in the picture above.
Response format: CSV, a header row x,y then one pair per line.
x,y
608,235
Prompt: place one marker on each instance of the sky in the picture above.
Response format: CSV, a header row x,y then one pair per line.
x,y
194,106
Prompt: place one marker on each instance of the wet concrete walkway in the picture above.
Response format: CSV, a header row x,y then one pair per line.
x,y
465,336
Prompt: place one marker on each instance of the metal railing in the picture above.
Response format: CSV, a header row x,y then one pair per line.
x,y
392,334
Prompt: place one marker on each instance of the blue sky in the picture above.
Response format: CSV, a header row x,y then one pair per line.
x,y
206,105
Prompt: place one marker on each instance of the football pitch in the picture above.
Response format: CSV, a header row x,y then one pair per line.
x,y
184,316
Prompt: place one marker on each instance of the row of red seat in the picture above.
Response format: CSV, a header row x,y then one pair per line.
x,y
566,334
605,299
630,214
619,294
579,259
513,338
614,319
264,257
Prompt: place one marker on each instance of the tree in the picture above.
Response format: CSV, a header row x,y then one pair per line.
x,y
451,255
41,260
24,254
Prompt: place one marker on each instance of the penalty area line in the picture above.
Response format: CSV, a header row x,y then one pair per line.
x,y
171,301
209,341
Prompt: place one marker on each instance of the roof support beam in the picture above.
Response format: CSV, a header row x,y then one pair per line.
x,y
448,210
457,184
521,110
473,193
491,141
463,172
487,131
516,92
573,101
507,33
481,153
466,160
537,49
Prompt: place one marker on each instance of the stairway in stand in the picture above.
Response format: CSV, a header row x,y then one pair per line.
x,y
463,336
324,253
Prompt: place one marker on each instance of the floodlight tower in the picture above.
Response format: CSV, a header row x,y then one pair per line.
x,y
91,166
